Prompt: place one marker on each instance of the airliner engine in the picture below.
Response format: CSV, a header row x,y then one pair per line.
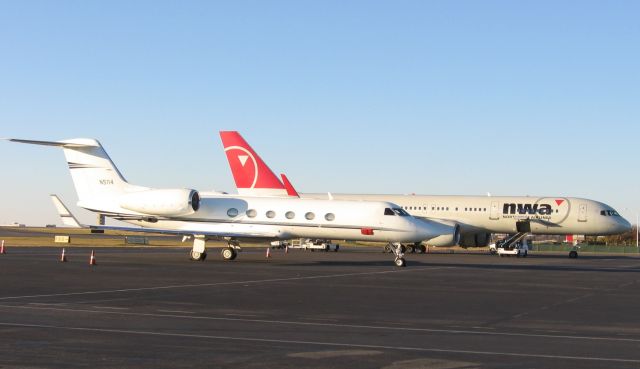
x,y
475,240
450,238
169,202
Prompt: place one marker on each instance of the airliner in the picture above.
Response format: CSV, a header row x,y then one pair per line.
x,y
102,189
471,220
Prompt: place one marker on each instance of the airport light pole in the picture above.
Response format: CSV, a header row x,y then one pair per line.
x,y
637,230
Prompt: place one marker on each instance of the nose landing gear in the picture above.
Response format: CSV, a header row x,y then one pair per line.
x,y
396,248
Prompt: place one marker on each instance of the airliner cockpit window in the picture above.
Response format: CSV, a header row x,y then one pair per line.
x,y
401,212
610,213
388,211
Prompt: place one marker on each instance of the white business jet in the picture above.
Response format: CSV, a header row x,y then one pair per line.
x,y
206,215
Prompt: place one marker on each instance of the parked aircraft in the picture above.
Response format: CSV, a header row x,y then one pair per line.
x,y
471,220
203,215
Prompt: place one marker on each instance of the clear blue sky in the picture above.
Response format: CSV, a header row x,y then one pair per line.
x,y
447,97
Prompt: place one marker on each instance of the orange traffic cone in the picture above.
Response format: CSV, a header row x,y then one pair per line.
x,y
92,260
63,257
268,255
2,248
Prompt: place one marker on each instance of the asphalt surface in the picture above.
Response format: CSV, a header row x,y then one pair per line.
x,y
152,308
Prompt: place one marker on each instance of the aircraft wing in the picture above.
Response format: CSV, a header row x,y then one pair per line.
x,y
65,215
186,232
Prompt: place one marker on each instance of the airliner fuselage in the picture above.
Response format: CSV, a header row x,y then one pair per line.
x,y
500,214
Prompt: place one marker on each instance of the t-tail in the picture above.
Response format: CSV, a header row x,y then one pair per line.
x,y
252,176
97,181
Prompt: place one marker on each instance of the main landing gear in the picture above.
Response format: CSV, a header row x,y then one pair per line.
x,y
415,247
396,248
231,251
199,253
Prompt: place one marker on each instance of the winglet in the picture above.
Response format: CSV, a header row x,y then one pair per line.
x,y
67,218
291,191
251,174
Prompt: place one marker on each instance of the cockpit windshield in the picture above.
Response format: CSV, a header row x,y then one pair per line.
x,y
388,211
609,213
401,212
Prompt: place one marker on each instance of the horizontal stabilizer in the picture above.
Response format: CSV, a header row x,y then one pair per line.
x,y
69,143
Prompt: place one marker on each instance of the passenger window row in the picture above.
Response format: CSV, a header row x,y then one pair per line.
x,y
252,213
442,208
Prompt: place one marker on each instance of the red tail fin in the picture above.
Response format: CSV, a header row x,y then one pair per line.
x,y
251,174
290,190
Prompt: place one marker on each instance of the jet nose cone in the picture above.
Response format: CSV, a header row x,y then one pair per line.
x,y
624,225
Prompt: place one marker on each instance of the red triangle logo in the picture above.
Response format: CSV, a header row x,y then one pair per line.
x,y
559,202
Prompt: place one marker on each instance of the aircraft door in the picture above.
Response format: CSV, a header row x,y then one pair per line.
x,y
494,211
582,213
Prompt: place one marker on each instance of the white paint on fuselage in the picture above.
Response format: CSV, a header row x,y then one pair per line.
x,y
498,214
331,219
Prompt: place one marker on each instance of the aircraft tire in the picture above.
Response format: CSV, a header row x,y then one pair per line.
x,y
400,263
573,254
197,256
410,249
228,253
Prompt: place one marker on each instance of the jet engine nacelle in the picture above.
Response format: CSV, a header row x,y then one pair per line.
x,y
170,202
450,236
475,240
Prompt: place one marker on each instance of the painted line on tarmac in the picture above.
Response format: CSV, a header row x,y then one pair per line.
x,y
256,281
110,307
320,343
176,311
325,324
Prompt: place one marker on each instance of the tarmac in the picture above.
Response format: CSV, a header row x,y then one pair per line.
x,y
153,308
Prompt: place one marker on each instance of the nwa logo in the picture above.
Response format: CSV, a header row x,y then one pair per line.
x,y
530,209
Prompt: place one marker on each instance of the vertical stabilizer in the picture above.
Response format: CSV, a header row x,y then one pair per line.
x,y
96,179
252,176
